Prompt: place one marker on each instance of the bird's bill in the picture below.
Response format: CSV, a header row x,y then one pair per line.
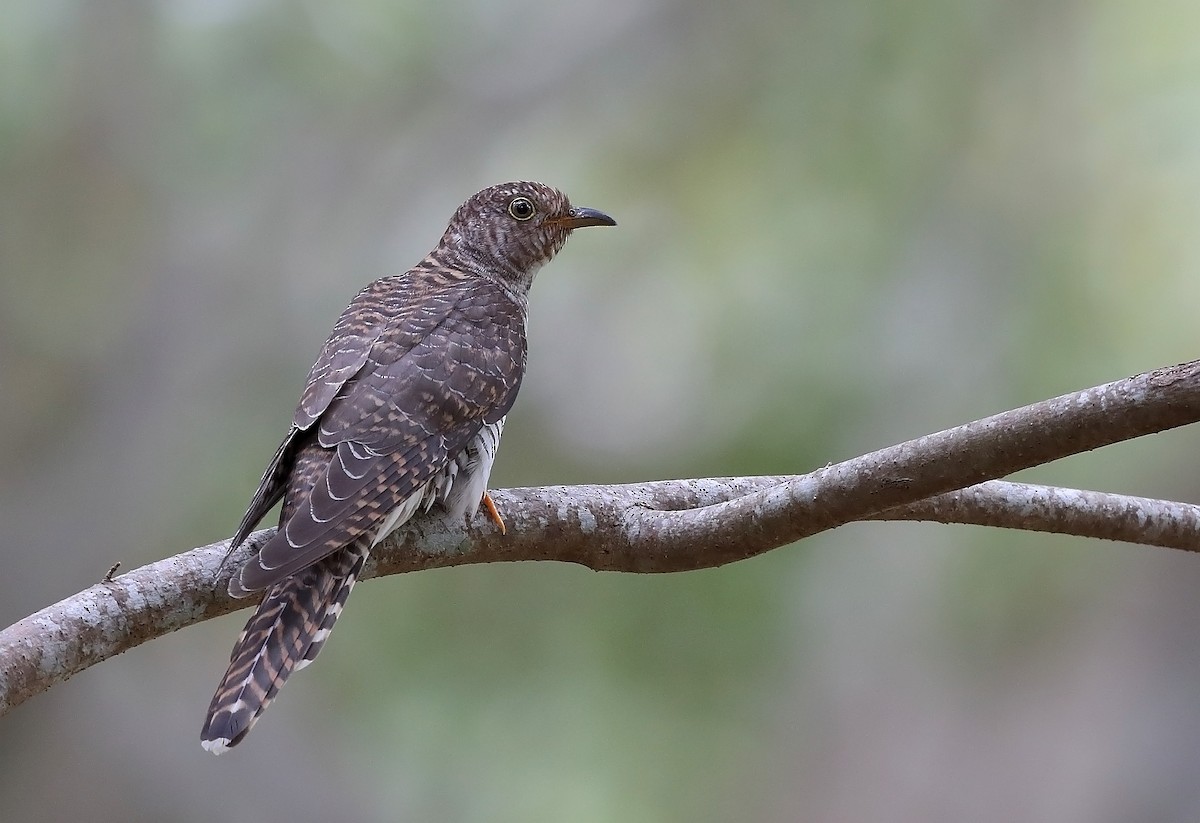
x,y
579,217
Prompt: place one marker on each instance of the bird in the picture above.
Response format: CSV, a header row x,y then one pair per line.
x,y
403,410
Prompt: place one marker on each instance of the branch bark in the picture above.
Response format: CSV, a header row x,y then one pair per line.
x,y
676,525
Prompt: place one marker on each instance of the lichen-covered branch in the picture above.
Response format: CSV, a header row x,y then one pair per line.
x,y
676,525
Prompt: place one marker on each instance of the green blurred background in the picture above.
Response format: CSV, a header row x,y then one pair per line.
x,y
842,224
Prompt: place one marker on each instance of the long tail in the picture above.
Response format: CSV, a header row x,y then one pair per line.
x,y
284,635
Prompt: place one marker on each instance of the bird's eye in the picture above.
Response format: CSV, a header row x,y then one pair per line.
x,y
521,208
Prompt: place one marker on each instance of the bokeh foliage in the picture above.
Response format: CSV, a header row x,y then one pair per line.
x,y
842,225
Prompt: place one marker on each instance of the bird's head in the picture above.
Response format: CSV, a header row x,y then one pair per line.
x,y
513,229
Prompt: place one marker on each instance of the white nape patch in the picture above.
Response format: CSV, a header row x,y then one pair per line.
x,y
217,747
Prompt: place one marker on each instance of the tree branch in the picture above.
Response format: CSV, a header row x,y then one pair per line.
x,y
675,525
1062,511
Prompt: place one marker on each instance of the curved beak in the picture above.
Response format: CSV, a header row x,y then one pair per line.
x,y
579,217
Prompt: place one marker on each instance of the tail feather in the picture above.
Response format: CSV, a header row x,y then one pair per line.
x,y
284,635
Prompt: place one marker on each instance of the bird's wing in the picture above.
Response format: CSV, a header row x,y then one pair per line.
x,y
418,398
270,489
379,307
342,356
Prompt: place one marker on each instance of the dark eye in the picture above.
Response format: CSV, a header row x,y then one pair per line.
x,y
521,208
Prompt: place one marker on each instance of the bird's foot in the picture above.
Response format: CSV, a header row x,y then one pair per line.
x,y
490,506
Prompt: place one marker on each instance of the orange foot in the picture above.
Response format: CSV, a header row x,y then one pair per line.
x,y
490,505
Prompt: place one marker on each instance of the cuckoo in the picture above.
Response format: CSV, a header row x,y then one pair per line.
x,y
403,410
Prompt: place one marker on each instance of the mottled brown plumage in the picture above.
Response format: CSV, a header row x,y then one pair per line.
x,y
403,409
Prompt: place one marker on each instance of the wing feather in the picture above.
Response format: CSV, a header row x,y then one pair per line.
x,y
429,381
380,307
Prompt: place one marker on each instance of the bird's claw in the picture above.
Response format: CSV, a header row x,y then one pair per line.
x,y
490,506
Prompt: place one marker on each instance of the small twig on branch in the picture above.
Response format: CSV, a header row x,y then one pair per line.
x,y
676,525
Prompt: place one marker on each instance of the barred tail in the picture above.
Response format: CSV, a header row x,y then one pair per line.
x,y
284,635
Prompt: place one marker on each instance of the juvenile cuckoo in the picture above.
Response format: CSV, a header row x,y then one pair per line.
x,y
402,410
